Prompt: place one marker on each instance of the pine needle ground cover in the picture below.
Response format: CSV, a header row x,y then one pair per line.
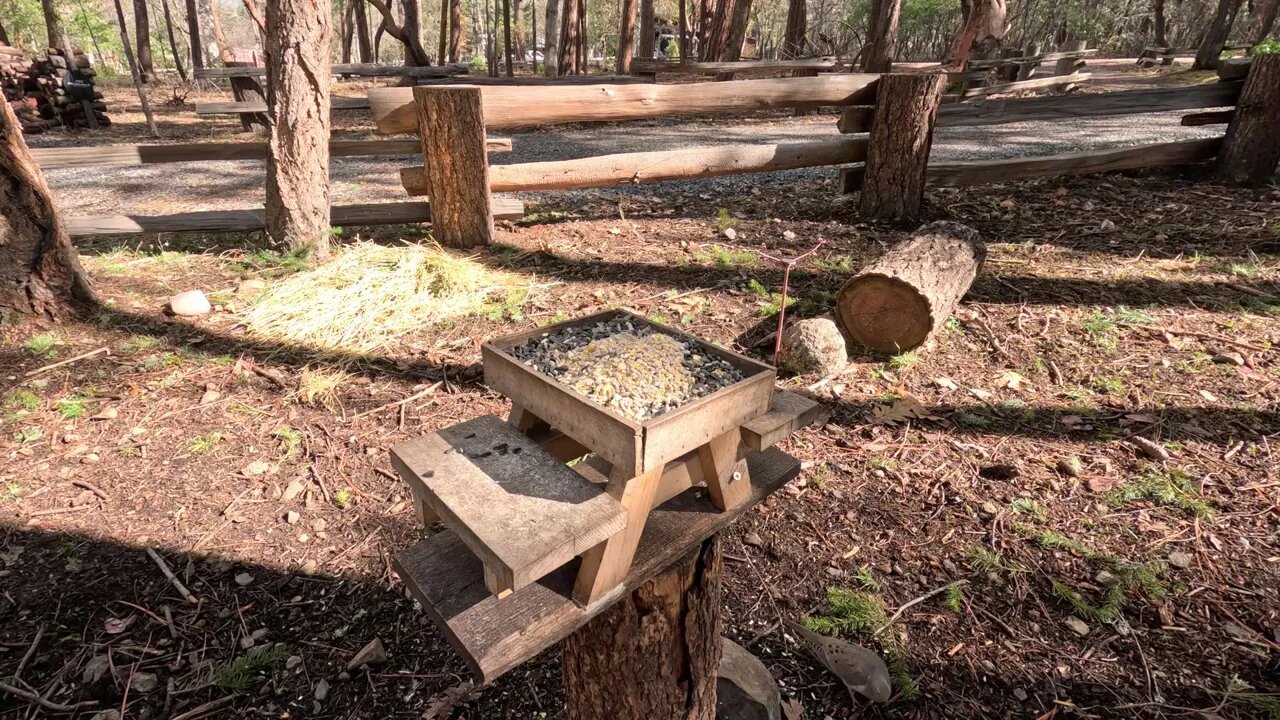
x,y
369,295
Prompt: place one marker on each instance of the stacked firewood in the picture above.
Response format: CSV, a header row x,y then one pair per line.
x,y
52,90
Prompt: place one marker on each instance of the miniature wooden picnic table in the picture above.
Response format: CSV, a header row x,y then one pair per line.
x,y
534,548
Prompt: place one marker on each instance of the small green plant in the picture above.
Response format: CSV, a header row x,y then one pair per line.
x,y
29,434
883,463
274,264
866,580
557,318
724,220
1269,46
1133,317
835,264
161,361
22,399
989,561
954,598
1108,384
1169,489
240,674
851,613
954,326
965,418
10,491
42,345
205,443
1102,331
509,307
343,498
71,409
138,343
904,360
1245,270
724,257
289,439
1028,506
1054,540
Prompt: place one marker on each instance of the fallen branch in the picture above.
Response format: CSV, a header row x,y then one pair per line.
x,y
202,710
898,613
425,391
46,704
173,579
68,361
22,664
102,494
58,511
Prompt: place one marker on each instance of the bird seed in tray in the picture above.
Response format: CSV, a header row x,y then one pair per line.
x,y
627,367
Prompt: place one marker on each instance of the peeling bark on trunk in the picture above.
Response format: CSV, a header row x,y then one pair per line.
x,y
39,271
299,33
656,653
882,32
1215,38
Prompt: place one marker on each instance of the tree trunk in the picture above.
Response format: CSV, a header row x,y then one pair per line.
x,y
882,29
455,30
39,270
1251,148
219,37
173,42
898,149
57,33
568,57
703,30
551,39
684,31
656,653
451,128
444,30
299,33
259,22
647,38
1216,37
583,56
718,31
793,39
518,22
4,34
626,36
364,43
506,37
533,36
1161,24
981,31
1261,20
134,71
193,36
346,31
738,32
895,304
413,34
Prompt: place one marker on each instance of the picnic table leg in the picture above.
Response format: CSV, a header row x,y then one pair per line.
x,y
655,654
605,565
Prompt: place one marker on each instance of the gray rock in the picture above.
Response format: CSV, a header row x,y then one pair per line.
x,y
95,669
244,579
1077,625
745,689
321,690
813,346
144,682
371,654
753,539
1229,358
1105,578
191,302
1180,560
293,662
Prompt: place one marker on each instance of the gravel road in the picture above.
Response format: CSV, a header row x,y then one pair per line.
x,y
161,189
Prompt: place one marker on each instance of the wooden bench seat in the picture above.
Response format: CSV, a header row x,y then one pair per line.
x,y
519,509
788,412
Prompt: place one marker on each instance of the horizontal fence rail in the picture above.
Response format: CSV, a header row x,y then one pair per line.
x,y
51,158
356,69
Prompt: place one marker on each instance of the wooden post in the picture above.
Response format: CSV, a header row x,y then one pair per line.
x,y
655,654
1068,65
898,150
1251,148
451,125
248,89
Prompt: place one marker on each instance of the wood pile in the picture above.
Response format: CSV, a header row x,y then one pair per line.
x,y
51,91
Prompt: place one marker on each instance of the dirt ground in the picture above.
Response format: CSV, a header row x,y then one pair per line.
x,y
1098,581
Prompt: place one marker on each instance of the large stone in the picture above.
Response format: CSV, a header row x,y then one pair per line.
x,y
745,690
813,345
191,302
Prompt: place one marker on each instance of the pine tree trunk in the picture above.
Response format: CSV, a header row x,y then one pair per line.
x,y
738,33
444,31
982,31
1215,37
364,43
898,149
626,36
719,29
416,54
299,33
193,36
1161,24
39,271
142,28
1261,20
219,37
455,30
684,30
793,39
656,653
1251,148
346,31
506,37
882,30
518,22
58,37
551,40
647,38
173,42
568,57
134,71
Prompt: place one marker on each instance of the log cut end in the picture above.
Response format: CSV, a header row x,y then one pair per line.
x,y
895,304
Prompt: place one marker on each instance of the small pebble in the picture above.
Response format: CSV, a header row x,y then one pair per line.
x,y
1229,358
1077,625
243,579
1180,560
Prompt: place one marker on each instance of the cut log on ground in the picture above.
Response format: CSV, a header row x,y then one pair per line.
x,y
515,106
656,653
1251,148
453,146
900,300
647,167
898,151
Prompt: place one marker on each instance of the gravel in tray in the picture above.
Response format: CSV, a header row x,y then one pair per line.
x,y
629,368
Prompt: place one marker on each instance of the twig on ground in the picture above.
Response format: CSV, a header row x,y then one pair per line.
x,y
912,603
85,484
17,674
1201,335
202,710
68,361
173,579
46,704
58,511
421,393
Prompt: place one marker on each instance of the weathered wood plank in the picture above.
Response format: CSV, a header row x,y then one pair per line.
x,y
493,636
248,220
98,155
1213,117
514,106
788,412
647,65
1022,86
356,69
1127,102
518,508
981,172
648,167
236,108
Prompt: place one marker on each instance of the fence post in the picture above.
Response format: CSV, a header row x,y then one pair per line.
x,y
451,126
898,149
1251,148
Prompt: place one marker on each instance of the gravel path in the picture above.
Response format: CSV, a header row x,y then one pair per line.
x,y
160,189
